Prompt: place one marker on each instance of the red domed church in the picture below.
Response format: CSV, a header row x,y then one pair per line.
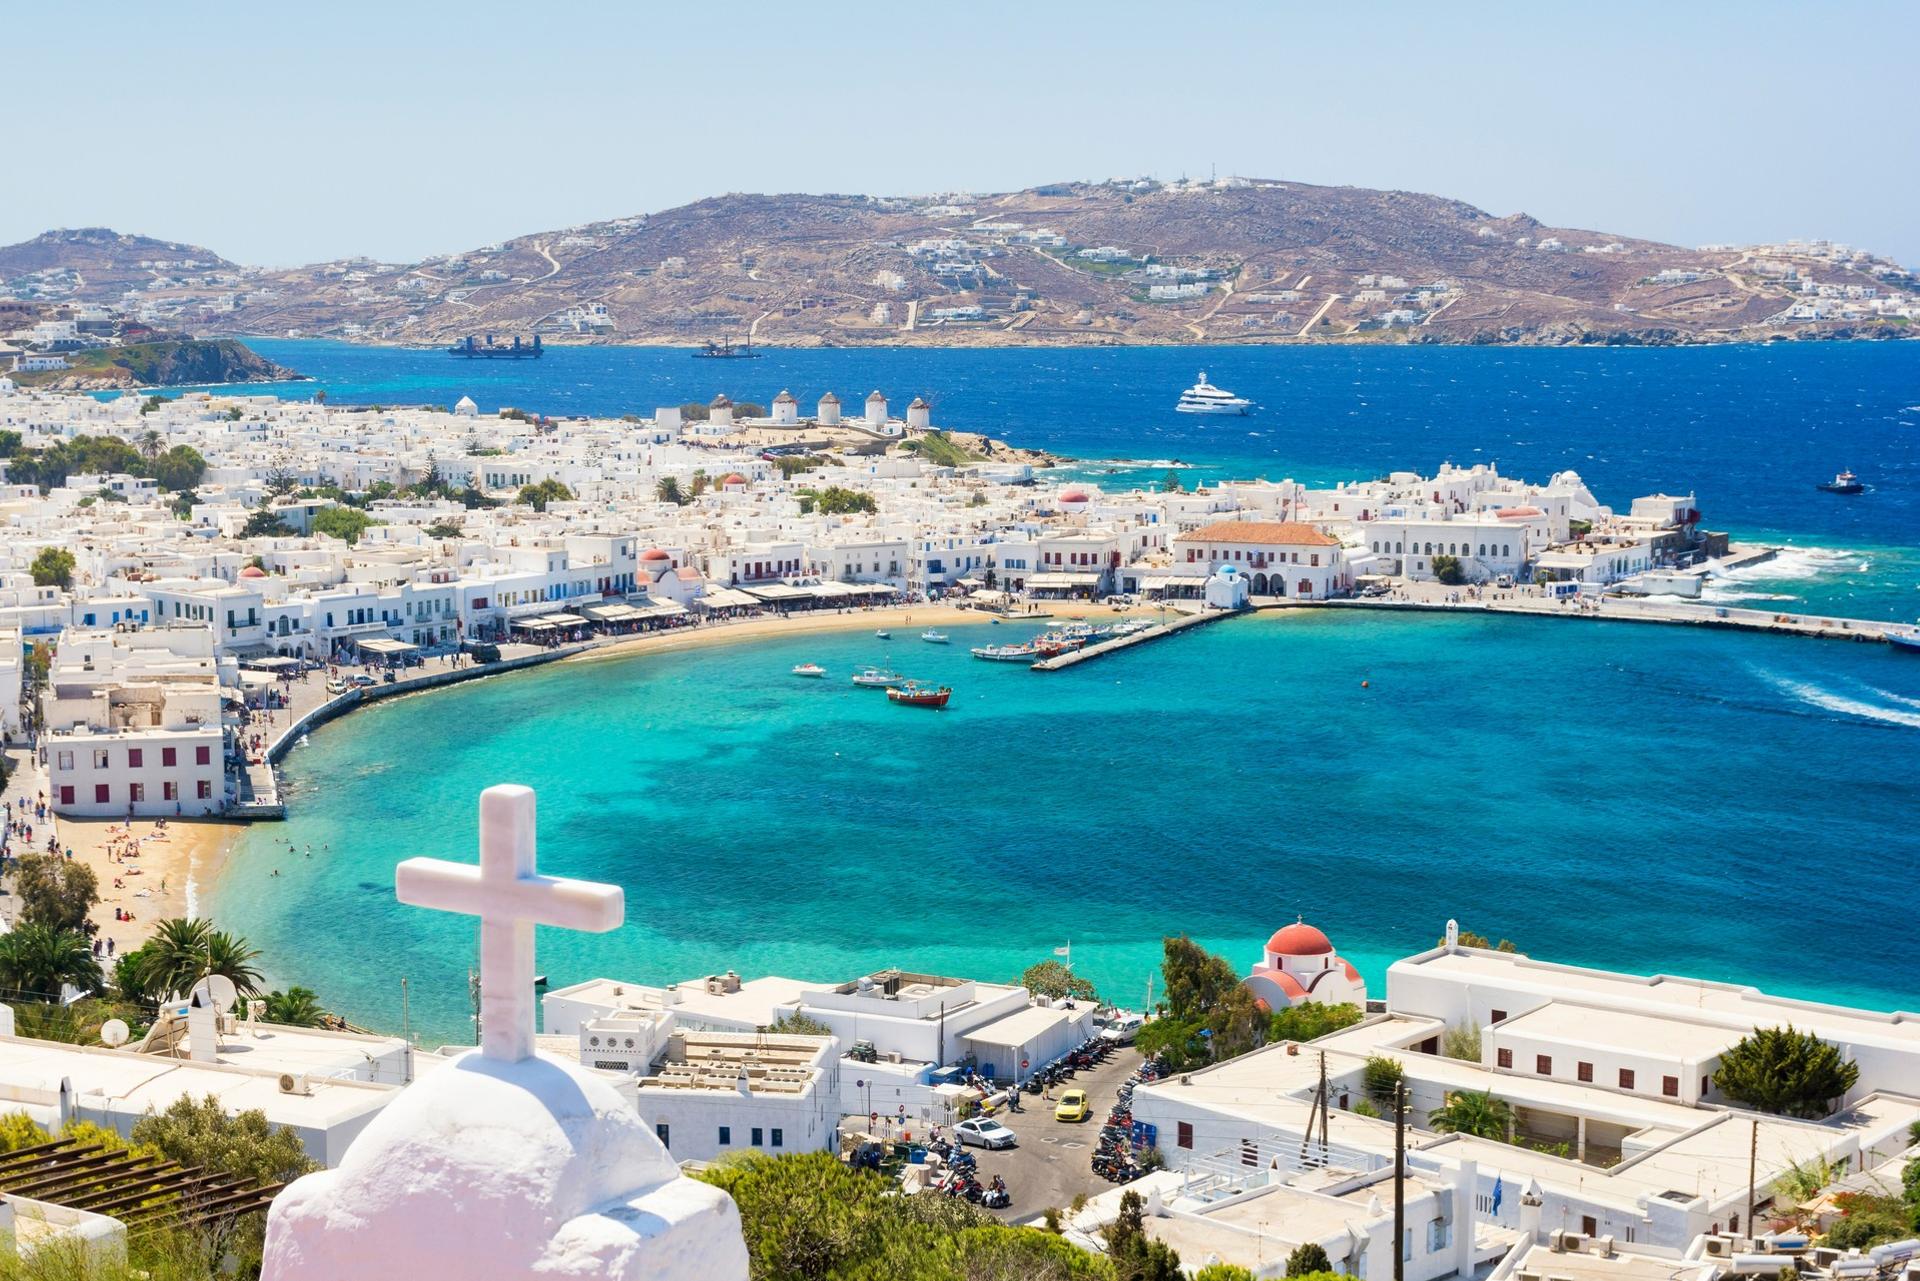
x,y
1300,965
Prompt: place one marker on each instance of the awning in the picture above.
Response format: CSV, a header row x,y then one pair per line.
x,y
564,620
613,613
246,652
775,593
384,645
1064,580
532,625
270,663
725,598
661,609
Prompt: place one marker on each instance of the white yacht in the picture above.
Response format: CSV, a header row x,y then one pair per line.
x,y
1205,398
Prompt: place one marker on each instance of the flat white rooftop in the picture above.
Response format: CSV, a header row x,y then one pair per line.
x,y
756,1004
1596,1027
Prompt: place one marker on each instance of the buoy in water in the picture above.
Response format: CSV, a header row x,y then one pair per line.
x,y
1365,684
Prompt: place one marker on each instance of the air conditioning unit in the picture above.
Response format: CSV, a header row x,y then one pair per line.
x,y
1605,1246
1719,1248
295,1083
1557,1242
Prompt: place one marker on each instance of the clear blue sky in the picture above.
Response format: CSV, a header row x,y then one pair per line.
x,y
279,134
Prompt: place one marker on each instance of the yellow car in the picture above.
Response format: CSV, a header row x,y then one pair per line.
x,y
1072,1106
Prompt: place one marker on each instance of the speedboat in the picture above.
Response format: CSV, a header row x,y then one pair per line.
x,y
933,636
813,670
1843,483
917,695
883,634
878,678
1905,640
1205,398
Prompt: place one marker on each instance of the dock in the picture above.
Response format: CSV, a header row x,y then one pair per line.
x,y
1628,610
1087,654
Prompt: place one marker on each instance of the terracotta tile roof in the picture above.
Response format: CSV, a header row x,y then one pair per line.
x,y
1291,533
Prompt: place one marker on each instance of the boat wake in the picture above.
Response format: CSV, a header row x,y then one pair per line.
x,y
1831,701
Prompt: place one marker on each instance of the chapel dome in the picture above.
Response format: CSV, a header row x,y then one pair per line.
x,y
654,553
1299,939
253,571
734,478
1074,496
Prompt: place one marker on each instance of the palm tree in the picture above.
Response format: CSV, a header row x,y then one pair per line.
x,y
38,960
182,952
1474,1112
668,491
150,443
295,1007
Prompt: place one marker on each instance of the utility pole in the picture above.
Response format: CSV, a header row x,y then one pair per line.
x,y
473,993
1753,1168
1399,1179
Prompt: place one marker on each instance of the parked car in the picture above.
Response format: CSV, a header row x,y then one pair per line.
x,y
338,686
362,680
1122,1029
984,1132
1073,1106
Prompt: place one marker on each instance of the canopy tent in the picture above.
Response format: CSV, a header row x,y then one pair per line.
x,y
779,593
614,613
384,646
270,663
1056,581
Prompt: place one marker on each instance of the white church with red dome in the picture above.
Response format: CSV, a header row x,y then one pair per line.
x,y
1300,965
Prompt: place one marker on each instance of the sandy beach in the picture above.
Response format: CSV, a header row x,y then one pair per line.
x,y
153,867
901,618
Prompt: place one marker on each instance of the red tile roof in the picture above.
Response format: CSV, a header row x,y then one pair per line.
x,y
1289,533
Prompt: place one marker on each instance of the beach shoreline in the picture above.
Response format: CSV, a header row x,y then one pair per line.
x,y
153,870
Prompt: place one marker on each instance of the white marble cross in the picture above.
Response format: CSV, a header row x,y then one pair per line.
x,y
510,898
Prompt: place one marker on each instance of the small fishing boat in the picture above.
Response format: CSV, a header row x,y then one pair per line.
x,y
918,695
878,678
1905,640
813,670
1005,653
883,634
933,636
1843,483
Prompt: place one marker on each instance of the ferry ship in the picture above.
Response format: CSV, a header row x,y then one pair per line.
x,y
1843,483
468,349
1205,398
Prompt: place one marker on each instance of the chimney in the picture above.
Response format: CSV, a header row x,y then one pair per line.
x,y
203,1032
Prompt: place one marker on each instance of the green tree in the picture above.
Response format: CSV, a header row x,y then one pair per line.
x,y
444,529
697,483
52,567
1170,484
1462,1042
836,500
55,892
1135,1255
1051,978
1194,978
668,491
183,951
1308,1259
1787,1072
183,504
39,961
150,442
1381,1078
281,482
1447,569
794,1024
345,523
1223,1272
538,495
1469,938
264,522
1311,1021
134,978
295,1007
179,468
1475,1112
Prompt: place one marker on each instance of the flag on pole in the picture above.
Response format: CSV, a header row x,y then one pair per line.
x,y
1497,1189
1064,951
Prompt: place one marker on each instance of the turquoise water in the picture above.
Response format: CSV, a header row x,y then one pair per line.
x,y
1636,797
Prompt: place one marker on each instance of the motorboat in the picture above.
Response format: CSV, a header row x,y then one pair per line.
x,y
934,636
1205,398
878,678
883,634
1909,641
917,695
1005,653
1843,483
812,670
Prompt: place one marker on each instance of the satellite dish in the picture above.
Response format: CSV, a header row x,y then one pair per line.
x,y
218,990
114,1033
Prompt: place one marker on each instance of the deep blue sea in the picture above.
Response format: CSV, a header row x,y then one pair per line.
x,y
1635,797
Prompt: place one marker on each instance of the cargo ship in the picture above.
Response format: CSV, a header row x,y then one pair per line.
x,y
469,348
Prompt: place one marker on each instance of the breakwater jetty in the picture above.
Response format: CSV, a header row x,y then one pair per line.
x,y
1154,633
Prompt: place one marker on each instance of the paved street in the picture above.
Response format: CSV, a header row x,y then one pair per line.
x,y
1052,1164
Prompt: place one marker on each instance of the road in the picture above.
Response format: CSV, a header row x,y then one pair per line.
x,y
1308,327
1053,1163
